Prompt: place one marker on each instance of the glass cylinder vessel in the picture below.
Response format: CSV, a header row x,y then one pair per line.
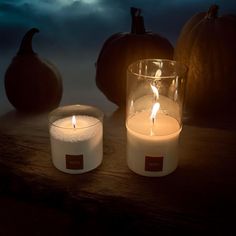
x,y
76,136
155,96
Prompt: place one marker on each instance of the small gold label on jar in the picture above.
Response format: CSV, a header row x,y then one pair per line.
x,y
74,162
153,163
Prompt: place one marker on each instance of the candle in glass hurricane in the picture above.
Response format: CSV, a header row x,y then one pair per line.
x,y
153,118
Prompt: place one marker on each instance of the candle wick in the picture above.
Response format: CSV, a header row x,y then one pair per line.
x,y
153,122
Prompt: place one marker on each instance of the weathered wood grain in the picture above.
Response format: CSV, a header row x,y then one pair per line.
x,y
200,196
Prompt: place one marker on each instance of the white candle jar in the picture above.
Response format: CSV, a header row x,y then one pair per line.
x,y
76,136
155,95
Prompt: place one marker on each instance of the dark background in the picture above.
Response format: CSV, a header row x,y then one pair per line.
x,y
71,36
73,32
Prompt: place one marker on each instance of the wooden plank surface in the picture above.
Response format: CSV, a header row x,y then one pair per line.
x,y
200,196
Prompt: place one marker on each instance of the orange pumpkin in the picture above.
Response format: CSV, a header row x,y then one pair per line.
x,y
32,84
207,45
122,49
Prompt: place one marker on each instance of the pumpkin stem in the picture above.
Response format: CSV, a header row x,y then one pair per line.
x,y
137,26
212,12
26,43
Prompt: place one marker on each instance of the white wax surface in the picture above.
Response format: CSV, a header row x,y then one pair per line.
x,y
85,139
164,125
85,128
162,143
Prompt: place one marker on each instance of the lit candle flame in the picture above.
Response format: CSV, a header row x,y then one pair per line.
x,y
155,91
155,109
73,120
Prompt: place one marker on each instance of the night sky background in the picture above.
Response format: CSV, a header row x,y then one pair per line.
x,y
73,32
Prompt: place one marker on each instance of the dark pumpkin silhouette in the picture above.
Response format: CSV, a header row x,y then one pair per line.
x,y
32,84
122,49
207,45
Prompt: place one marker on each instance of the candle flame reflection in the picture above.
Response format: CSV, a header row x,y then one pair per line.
x,y
155,107
158,73
73,120
155,91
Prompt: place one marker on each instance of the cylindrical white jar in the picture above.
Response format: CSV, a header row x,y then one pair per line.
x,y
76,135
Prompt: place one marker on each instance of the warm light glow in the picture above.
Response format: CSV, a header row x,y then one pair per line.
x,y
176,95
173,83
145,69
155,91
140,68
73,120
155,109
158,63
158,73
131,107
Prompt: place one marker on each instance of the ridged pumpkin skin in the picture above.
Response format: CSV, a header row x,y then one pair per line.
x,y
207,45
122,49
32,84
